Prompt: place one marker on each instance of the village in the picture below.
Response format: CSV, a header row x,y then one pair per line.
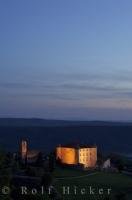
x,y
32,173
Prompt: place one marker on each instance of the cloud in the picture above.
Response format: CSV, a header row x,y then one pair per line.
x,y
73,87
13,85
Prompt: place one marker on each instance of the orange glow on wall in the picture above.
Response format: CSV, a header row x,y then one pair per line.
x,y
67,155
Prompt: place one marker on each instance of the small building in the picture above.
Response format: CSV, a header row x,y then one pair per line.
x,y
106,164
74,155
29,156
32,156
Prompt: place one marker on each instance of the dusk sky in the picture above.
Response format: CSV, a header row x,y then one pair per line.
x,y
66,59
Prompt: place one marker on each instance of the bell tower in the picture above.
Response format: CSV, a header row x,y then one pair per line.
x,y
24,149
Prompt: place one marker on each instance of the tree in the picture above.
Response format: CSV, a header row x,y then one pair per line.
x,y
120,196
4,175
51,162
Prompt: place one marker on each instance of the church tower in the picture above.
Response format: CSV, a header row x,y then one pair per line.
x,y
24,149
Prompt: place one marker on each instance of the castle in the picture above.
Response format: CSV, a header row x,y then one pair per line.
x,y
73,155
85,155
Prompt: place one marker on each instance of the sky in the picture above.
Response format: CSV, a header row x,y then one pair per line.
x,y
66,59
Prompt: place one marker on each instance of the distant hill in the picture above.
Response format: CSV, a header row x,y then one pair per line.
x,y
45,135
22,122
108,138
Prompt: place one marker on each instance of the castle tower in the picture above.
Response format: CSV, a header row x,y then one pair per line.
x,y
58,153
24,149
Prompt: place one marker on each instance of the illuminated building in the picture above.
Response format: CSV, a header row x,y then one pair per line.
x,y
73,155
